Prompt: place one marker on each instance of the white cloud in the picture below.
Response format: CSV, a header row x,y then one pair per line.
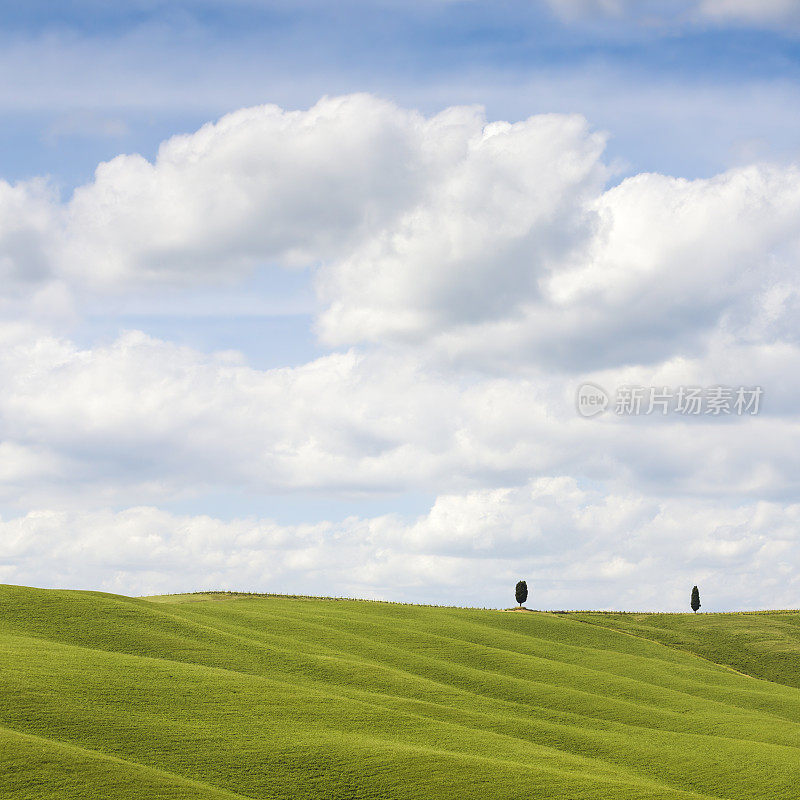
x,y
577,549
465,213
149,420
649,268
479,244
494,245
483,270
261,185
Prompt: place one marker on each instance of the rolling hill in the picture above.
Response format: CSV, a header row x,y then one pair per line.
x,y
237,696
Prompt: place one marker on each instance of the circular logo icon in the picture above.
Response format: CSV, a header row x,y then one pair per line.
x,y
590,400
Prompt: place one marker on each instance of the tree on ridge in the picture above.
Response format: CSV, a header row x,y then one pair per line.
x,y
522,592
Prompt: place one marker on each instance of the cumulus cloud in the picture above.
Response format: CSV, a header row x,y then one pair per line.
x,y
389,204
479,245
262,185
152,420
478,272
494,245
674,260
659,264
578,548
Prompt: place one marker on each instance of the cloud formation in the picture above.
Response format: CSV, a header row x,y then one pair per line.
x,y
146,420
472,274
488,243
577,548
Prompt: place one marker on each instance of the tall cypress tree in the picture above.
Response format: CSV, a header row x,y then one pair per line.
x,y
522,592
695,599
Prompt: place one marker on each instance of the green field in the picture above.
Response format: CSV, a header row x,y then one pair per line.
x,y
226,696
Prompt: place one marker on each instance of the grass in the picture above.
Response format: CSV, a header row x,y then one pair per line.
x,y
241,696
763,644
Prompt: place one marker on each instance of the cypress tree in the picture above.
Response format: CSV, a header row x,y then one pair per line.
x,y
695,599
522,592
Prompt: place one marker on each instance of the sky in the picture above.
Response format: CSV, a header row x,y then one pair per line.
x,y
300,297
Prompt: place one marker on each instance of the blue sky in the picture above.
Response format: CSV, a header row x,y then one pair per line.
x,y
152,344
88,80
91,80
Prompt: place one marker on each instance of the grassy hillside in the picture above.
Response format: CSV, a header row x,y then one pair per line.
x,y
764,644
211,696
